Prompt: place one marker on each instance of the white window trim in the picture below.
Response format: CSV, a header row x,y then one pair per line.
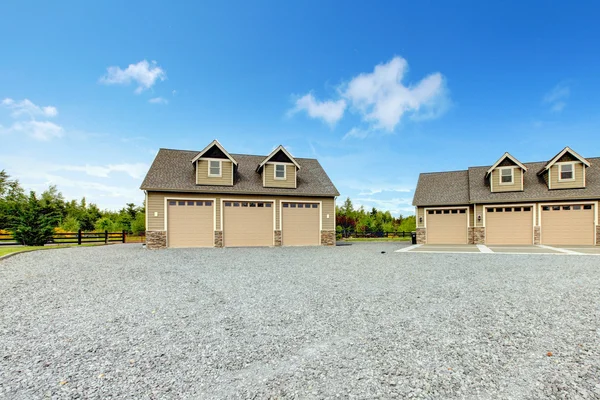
x,y
275,177
512,176
560,166
220,169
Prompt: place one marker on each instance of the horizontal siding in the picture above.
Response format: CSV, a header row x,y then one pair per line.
x,y
577,183
515,187
420,214
471,216
156,203
202,177
478,211
270,181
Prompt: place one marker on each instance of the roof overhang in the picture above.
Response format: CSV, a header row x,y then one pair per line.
x,y
505,156
279,148
215,143
562,153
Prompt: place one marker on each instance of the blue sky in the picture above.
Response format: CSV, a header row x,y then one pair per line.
x,y
378,93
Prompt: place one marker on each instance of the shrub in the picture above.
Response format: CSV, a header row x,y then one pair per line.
x,y
70,224
138,225
34,224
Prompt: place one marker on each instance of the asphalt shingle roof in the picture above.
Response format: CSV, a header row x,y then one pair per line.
x,y
172,170
449,188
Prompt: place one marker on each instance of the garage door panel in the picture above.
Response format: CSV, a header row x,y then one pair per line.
x,y
190,223
568,224
247,224
447,226
301,224
509,225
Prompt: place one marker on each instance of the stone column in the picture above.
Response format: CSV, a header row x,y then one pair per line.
x,y
478,235
327,238
597,235
156,240
537,230
470,235
218,238
277,238
421,235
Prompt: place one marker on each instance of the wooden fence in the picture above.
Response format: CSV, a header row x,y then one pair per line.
x,y
348,233
79,237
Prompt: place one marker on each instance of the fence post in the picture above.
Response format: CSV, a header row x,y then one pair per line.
x,y
105,237
79,237
124,234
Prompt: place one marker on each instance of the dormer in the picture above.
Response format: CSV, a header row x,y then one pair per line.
x,y
506,175
565,171
214,166
279,169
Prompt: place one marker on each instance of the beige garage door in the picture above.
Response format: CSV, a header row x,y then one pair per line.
x,y
568,224
190,223
300,224
447,226
247,223
509,225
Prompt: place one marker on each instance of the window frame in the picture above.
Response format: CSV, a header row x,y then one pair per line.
x,y
512,175
220,174
560,172
275,177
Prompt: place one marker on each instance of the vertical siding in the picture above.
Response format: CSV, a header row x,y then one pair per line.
x,y
577,183
156,203
516,186
202,177
269,176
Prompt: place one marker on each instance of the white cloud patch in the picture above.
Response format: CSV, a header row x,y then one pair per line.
x,y
382,99
39,130
396,206
27,107
136,171
144,74
556,98
158,100
329,111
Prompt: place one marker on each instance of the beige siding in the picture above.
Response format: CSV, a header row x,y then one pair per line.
x,y
420,214
269,177
577,183
156,203
478,211
515,187
225,179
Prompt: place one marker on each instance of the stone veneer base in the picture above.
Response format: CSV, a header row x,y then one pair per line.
x,y
156,240
277,238
421,236
218,238
327,238
537,234
478,235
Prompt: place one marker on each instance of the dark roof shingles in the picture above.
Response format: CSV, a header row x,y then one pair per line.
x,y
172,170
442,188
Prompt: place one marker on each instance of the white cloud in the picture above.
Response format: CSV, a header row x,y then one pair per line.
x,y
556,98
396,206
136,171
329,111
382,99
357,133
27,107
158,100
143,73
40,130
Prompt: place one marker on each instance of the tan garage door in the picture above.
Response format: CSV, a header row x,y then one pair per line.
x,y
568,224
509,225
247,223
190,223
447,226
300,224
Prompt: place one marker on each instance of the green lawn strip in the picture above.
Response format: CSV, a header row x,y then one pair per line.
x,y
381,239
10,250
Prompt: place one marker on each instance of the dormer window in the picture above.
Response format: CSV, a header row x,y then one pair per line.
x,y
566,172
280,171
214,168
506,176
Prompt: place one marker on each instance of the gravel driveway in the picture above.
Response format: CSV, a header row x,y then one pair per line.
x,y
124,322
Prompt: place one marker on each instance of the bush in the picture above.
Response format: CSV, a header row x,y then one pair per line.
x,y
105,224
70,224
138,225
34,225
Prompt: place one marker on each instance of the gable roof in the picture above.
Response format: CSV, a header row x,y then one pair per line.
x,y
448,188
442,188
220,147
277,150
505,156
558,157
172,171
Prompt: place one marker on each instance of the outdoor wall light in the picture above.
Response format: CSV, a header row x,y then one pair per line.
x,y
420,220
479,218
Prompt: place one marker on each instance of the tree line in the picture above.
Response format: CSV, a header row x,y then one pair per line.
x,y
32,218
374,220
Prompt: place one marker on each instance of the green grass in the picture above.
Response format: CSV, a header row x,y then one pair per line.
x,y
9,250
379,239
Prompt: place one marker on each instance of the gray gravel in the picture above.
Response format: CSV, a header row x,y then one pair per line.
x,y
124,322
